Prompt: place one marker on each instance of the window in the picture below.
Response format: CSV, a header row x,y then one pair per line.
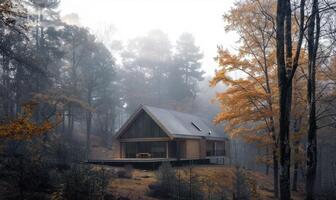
x,y
130,149
153,149
210,145
220,148
215,148
158,149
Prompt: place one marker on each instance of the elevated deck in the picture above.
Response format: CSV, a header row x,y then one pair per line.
x,y
148,163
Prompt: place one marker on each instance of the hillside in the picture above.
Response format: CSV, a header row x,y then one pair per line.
x,y
213,178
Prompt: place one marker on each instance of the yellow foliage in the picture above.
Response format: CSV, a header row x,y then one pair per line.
x,y
249,105
23,127
248,100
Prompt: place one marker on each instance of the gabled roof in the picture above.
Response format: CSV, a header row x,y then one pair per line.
x,y
177,124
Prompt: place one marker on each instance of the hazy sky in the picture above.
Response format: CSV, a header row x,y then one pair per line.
x,y
202,18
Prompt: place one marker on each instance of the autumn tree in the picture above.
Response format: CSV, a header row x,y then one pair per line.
x,y
23,126
50,75
249,105
19,65
287,63
309,23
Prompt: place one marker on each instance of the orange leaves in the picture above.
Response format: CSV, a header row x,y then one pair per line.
x,y
249,104
23,127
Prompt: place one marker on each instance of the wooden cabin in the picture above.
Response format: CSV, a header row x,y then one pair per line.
x,y
156,133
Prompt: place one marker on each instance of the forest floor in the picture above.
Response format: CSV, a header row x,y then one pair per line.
x,y
214,177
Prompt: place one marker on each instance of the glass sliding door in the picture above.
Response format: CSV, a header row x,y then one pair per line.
x,y
159,150
210,146
130,149
215,148
220,149
177,149
149,149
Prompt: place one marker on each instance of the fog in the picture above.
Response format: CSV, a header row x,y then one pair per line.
x,y
131,18
167,99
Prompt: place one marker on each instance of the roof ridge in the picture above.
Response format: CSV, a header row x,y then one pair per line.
x,y
172,110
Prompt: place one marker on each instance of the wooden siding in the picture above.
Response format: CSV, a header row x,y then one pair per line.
x,y
143,127
116,149
193,149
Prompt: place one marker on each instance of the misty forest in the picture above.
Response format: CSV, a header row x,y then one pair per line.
x,y
186,100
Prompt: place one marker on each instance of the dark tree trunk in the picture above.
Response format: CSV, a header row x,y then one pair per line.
x,y
275,140
88,132
275,173
267,165
112,128
297,127
275,160
296,166
296,131
267,169
70,121
287,66
6,87
295,177
313,40
283,37
285,150
18,88
63,122
88,124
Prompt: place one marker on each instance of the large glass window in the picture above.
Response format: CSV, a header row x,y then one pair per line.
x,y
220,149
177,149
158,149
145,149
130,149
215,148
210,148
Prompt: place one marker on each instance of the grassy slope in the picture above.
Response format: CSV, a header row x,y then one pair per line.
x,y
220,176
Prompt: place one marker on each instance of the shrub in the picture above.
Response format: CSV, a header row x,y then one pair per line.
x,y
173,185
166,178
241,189
82,182
127,172
24,175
